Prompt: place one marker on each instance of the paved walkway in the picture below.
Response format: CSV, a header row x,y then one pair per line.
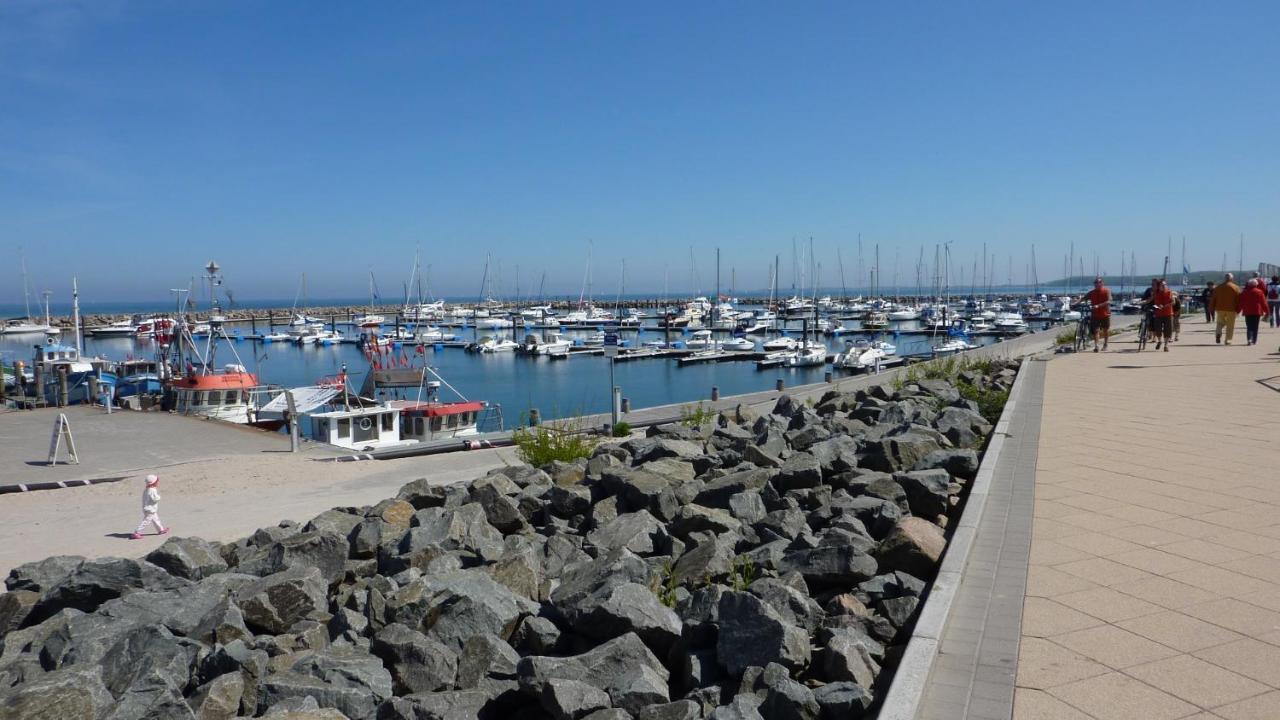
x,y
1154,583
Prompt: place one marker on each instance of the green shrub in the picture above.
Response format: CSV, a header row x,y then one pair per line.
x,y
743,573
1066,337
990,401
564,441
696,415
622,429
664,585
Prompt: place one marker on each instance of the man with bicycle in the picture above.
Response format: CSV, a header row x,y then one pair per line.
x,y
1162,313
1099,301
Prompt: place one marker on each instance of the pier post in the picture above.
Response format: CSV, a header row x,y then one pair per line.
x,y
626,405
253,324
93,389
62,386
715,393
826,377
293,421
39,381
535,417
782,385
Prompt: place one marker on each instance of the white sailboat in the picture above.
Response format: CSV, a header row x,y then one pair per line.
x,y
21,326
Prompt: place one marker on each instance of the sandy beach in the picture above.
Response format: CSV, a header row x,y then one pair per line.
x,y
221,499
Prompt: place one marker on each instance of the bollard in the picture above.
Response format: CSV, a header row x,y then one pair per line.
x,y
826,377
715,393
782,385
38,370
62,386
626,405
93,389
535,417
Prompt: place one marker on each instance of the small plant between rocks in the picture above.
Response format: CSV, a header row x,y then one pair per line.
x,y
562,441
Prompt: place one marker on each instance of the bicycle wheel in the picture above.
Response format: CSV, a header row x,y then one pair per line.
x,y
1142,335
1082,335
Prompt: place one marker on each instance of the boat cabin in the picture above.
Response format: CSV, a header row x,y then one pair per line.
x,y
422,421
369,428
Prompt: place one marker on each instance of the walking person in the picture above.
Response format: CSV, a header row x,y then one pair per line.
x,y
1206,299
1100,313
1273,301
1225,303
1253,305
1162,314
150,509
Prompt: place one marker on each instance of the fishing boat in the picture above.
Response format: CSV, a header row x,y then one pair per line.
x,y
139,376
54,359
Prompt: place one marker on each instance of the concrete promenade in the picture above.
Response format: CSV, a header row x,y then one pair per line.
x,y
1153,589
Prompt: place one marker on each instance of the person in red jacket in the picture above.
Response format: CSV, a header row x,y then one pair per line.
x,y
1162,314
1253,305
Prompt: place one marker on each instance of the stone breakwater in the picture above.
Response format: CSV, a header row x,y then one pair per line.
x,y
759,566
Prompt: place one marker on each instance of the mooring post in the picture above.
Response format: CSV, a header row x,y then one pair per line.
x,y
826,377
626,405
782,385
715,393
535,417
62,386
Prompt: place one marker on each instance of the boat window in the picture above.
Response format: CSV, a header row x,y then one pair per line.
x,y
388,421
418,425
453,421
344,427
435,424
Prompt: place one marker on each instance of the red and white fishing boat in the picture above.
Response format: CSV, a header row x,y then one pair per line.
x,y
159,328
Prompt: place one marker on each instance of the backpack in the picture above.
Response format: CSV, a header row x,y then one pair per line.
x,y
1273,292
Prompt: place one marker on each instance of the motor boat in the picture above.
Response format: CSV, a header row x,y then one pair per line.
x,y
863,354
907,313
277,337
739,344
782,342
495,345
1012,323
875,320
699,340
123,328
494,323
952,346
553,345
808,356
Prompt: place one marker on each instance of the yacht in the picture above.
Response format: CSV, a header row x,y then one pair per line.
x,y
1011,323
700,340
739,344
552,345
808,356
906,313
782,342
495,345
123,328
875,320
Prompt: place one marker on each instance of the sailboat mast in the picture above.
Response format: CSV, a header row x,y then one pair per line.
x,y
715,302
75,315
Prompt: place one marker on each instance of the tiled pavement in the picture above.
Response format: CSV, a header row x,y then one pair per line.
x,y
974,671
1154,583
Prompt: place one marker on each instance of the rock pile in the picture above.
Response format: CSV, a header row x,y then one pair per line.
x,y
761,566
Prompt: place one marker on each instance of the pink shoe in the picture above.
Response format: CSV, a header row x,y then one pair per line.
x,y
164,531
136,536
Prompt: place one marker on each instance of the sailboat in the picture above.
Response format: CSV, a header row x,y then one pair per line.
x,y
370,321
26,326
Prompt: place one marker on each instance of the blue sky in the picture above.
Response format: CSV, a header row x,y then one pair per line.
x,y
140,139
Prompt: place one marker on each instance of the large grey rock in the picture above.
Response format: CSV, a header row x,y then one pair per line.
x,y
964,428
571,699
638,532
15,606
699,519
666,447
59,695
790,599
447,705
569,500
897,453
678,710
416,662
753,633
742,707
486,657
94,582
717,492
148,669
784,698
633,608
188,557
847,656
914,546
495,494
801,470
274,603
927,491
835,455
842,700
462,529
423,493
335,520
536,636
960,462
711,559
623,667
454,606
640,489
830,564
586,584
520,568
218,699
323,550
42,575
347,679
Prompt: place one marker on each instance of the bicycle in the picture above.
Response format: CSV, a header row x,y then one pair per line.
x,y
1083,333
1144,329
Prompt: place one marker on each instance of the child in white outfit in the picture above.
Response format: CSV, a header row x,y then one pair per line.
x,y
150,508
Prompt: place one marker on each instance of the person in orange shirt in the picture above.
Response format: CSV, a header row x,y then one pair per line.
x,y
1226,302
1162,311
1253,305
1100,313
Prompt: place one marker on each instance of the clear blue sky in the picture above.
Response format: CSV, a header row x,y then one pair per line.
x,y
140,139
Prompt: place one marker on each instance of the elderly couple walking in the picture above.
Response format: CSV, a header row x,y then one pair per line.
x,y
1228,300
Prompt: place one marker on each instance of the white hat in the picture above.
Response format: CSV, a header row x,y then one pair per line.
x,y
153,479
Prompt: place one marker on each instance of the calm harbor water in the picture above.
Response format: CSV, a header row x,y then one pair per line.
x,y
559,388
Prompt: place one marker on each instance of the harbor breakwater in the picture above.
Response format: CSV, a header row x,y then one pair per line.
x,y
756,565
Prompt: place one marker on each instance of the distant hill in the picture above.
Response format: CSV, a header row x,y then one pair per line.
x,y
1195,277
